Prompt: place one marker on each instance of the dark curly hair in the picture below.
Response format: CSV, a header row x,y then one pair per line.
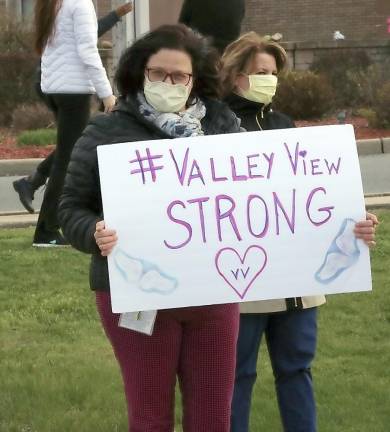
x,y
130,74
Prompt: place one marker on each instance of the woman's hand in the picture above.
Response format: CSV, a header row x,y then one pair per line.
x,y
109,103
105,239
365,230
124,9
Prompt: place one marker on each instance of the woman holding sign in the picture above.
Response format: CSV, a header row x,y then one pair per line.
x,y
251,66
169,85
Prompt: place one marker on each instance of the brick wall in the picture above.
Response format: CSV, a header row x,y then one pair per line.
x,y
316,20
103,7
303,54
161,11
305,20
164,12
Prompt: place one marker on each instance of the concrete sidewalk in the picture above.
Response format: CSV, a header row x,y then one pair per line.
x,y
19,220
374,169
374,157
22,220
19,167
374,202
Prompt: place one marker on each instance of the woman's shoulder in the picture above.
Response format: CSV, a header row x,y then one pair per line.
x,y
280,120
77,4
72,9
68,6
99,126
120,125
99,131
220,117
103,127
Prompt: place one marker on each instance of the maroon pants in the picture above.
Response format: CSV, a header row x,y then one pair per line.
x,y
198,344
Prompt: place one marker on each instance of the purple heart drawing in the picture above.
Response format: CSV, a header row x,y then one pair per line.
x,y
240,273
303,153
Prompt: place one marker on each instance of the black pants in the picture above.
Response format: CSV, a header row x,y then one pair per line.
x,y
44,167
72,112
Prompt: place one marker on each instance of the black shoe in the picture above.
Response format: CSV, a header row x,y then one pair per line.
x,y
26,193
49,239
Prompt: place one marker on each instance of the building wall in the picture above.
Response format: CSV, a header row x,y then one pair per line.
x,y
316,20
103,7
164,12
303,54
2,8
161,11
297,20
28,9
21,10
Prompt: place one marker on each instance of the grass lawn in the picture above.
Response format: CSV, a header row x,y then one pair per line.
x,y
57,371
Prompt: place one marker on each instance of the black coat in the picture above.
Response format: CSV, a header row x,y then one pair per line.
x,y
81,204
249,111
220,19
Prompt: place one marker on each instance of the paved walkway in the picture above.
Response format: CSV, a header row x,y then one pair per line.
x,y
9,199
19,220
375,175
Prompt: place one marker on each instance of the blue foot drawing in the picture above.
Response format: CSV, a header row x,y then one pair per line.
x,y
144,275
342,254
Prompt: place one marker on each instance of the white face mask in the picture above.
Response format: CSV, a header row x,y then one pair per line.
x,y
164,97
262,88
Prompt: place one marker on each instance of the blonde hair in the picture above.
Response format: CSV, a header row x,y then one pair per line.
x,y
238,57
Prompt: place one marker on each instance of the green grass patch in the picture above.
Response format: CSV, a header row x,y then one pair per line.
x,y
58,373
39,137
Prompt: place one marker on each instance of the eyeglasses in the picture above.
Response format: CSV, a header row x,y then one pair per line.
x,y
155,74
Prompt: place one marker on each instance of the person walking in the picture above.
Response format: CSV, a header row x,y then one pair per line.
x,y
66,39
250,69
169,86
27,186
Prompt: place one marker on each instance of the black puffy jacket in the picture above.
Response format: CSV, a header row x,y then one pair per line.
x,y
255,116
220,19
81,204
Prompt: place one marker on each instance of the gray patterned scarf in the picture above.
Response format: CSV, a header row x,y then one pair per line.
x,y
177,125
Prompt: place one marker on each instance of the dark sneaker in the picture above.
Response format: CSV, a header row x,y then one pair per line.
x,y
49,239
26,193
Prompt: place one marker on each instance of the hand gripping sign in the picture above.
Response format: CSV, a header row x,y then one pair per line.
x,y
234,218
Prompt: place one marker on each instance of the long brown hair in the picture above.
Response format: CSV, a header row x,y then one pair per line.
x,y
240,54
45,15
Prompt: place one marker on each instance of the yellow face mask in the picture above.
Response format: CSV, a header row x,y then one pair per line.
x,y
165,97
262,88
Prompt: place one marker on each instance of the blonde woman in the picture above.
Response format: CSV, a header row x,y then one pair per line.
x,y
251,66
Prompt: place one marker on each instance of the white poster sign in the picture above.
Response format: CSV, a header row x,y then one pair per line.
x,y
233,218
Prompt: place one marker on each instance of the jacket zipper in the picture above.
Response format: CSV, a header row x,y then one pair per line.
x,y
262,116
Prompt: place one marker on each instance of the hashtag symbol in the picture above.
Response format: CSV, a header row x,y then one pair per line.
x,y
146,165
